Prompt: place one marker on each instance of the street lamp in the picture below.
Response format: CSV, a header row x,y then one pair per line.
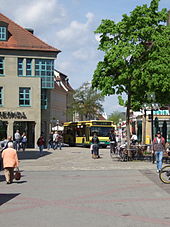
x,y
151,106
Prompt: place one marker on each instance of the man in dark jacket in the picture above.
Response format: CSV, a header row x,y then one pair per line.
x,y
159,148
95,143
113,142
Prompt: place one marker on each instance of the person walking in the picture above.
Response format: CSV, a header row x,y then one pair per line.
x,y
50,141
159,148
41,143
60,140
10,161
113,142
17,138
95,146
23,141
56,140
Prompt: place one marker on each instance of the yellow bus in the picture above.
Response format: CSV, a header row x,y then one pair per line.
x,y
81,132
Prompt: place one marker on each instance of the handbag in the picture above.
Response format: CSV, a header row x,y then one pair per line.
x,y
17,175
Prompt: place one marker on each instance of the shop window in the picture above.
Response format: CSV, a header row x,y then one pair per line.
x,y
24,96
3,33
1,66
45,69
1,96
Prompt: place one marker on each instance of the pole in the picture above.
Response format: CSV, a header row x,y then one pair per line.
x,y
144,127
152,135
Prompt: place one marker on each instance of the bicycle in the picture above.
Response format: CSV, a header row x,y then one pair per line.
x,y
164,174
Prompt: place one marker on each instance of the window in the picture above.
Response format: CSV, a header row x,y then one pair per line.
x,y
45,69
44,99
20,66
3,35
28,67
1,66
25,67
1,89
24,96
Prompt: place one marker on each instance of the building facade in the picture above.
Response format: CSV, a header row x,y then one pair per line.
x,y
26,79
60,99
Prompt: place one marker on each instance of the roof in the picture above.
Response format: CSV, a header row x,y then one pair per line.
x,y
21,39
61,80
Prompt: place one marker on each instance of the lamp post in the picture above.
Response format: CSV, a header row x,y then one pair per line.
x,y
149,107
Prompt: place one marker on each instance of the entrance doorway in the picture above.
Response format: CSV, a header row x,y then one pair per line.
x,y
3,129
29,128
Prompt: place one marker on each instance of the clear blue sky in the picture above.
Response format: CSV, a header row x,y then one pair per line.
x,y
69,26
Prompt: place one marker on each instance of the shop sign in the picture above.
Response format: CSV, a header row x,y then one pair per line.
x,y
12,115
161,112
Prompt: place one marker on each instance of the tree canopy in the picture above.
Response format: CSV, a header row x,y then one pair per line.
x,y
136,57
87,102
116,116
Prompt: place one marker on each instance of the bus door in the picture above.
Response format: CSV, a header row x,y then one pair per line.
x,y
87,132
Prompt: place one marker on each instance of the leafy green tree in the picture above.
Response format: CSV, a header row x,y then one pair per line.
x,y
87,102
116,116
136,57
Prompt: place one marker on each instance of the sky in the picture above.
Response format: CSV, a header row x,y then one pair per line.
x,y
69,26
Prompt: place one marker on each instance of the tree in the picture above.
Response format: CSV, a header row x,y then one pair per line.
x,y
116,116
136,60
87,102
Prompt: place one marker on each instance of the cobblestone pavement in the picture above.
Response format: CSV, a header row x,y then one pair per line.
x,y
76,158
68,188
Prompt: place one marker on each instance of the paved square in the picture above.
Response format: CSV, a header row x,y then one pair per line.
x,y
67,188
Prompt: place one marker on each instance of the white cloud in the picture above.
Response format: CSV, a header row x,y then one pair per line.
x,y
64,66
76,33
39,14
84,54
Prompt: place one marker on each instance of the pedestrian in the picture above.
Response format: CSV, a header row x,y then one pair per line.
x,y
23,141
10,161
113,142
6,141
56,139
159,148
50,141
95,146
41,143
60,140
134,138
17,138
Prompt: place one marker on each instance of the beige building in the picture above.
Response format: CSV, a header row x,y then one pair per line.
x,y
26,81
60,99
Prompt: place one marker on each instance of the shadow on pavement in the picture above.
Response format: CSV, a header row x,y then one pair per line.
x,y
23,155
20,182
2,178
4,198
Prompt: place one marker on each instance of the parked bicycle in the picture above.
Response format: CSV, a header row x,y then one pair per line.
x,y
164,174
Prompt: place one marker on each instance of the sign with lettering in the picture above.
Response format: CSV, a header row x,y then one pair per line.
x,y
12,115
161,112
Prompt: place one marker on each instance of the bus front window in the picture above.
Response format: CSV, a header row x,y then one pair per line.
x,y
101,131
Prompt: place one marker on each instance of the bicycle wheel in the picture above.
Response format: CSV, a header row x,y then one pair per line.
x,y
164,174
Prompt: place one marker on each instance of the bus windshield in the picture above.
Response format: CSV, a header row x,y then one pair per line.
x,y
101,131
